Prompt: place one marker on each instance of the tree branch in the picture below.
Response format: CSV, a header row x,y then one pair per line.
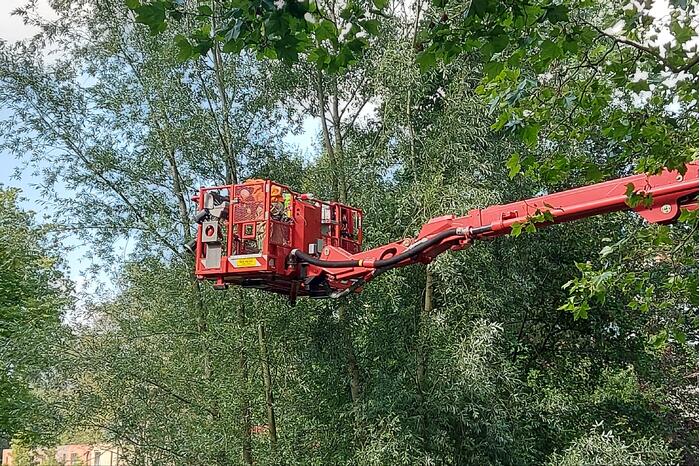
x,y
655,53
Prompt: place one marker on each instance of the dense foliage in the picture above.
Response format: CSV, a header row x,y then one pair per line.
x,y
572,345
33,296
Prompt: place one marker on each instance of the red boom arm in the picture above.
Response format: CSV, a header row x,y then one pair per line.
x,y
669,193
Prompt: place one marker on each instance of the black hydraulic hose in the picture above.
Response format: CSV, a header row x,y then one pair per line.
x,y
379,264
479,230
321,263
358,283
414,251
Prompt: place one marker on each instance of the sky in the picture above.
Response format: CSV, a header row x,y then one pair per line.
x,y
13,29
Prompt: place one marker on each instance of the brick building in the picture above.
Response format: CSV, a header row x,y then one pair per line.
x,y
70,455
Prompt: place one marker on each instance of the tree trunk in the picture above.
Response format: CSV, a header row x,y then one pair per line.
x,y
230,160
245,403
327,136
267,380
422,349
178,191
351,360
341,194
339,159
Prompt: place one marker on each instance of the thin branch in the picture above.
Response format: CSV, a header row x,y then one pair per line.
x,y
352,96
655,53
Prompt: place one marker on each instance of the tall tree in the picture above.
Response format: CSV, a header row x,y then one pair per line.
x,y
34,294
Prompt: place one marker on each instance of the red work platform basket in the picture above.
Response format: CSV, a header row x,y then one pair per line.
x,y
247,231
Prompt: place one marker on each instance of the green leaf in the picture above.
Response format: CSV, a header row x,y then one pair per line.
x,y
570,46
499,43
660,340
232,46
481,7
185,49
557,13
583,266
606,251
636,198
320,56
202,46
593,173
692,290
581,311
152,15
533,13
380,4
516,58
687,215
513,165
529,135
426,60
356,45
638,86
549,50
516,229
285,51
205,10
679,336
587,35
270,53
346,13
502,120
132,4
682,33
326,30
493,69
371,26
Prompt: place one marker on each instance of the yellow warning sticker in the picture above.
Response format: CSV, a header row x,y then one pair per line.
x,y
246,262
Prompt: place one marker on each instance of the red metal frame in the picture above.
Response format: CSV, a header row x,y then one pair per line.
x,y
297,273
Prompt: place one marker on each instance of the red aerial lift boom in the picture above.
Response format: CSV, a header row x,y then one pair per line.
x,y
261,234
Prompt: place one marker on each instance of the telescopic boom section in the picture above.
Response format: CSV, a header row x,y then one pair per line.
x,y
661,198
263,235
